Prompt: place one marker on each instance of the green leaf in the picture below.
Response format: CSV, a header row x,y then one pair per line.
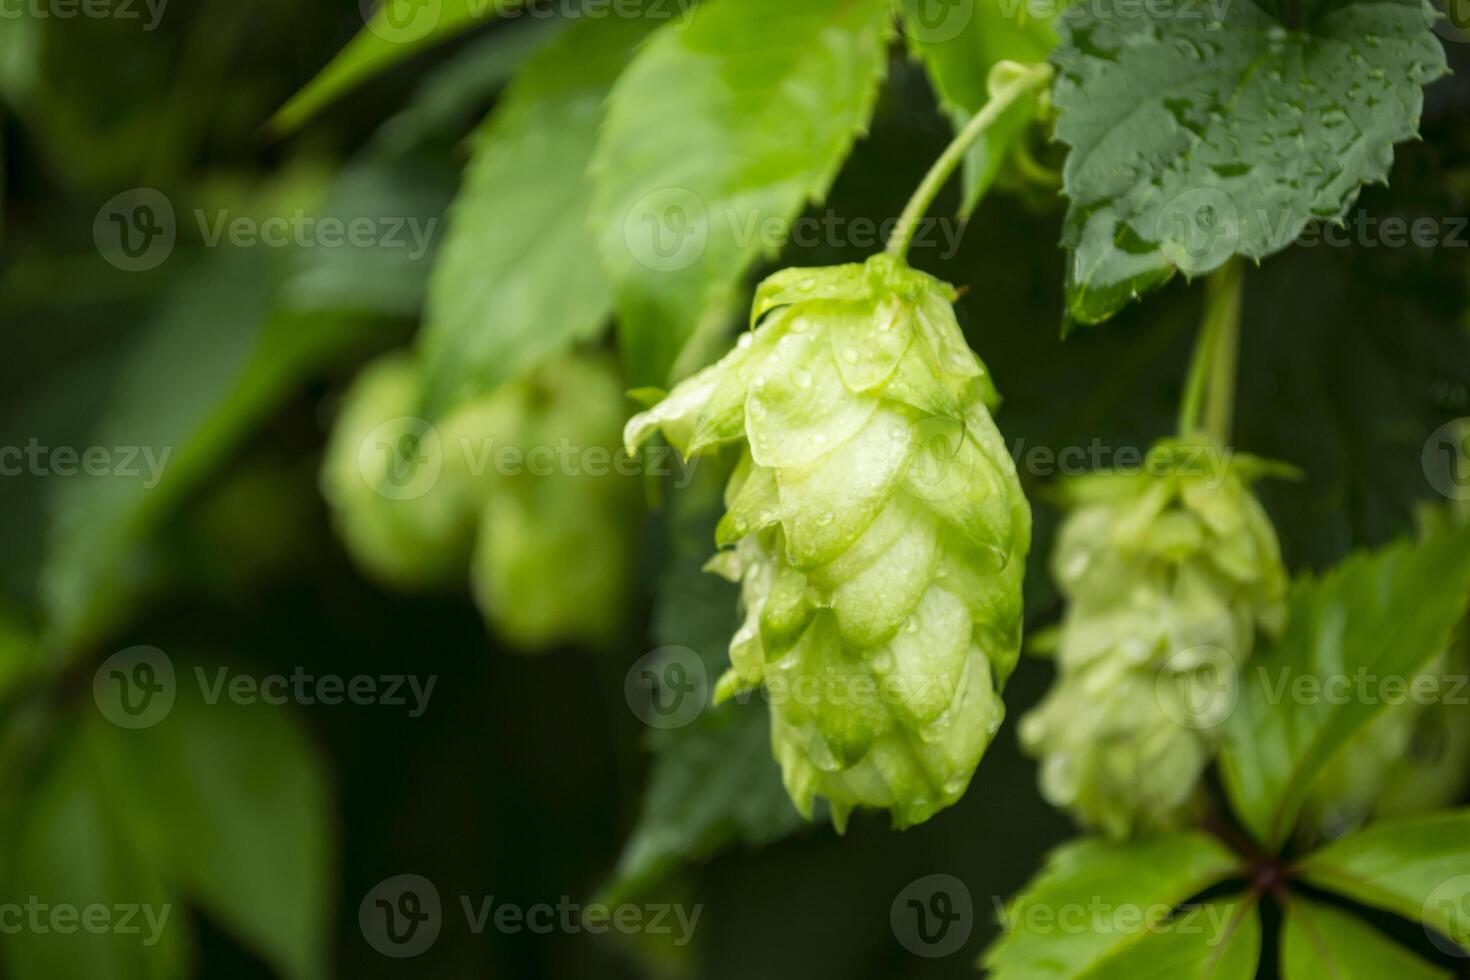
x,y
718,135
396,29
1144,880
1417,867
1379,615
960,50
452,99
1199,133
713,783
1213,941
71,852
20,55
231,803
403,199
211,365
1320,941
519,279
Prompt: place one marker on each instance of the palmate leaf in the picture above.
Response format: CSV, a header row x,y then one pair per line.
x,y
960,43
1212,941
1378,616
1201,132
1321,941
723,126
1134,886
1417,867
519,278
394,30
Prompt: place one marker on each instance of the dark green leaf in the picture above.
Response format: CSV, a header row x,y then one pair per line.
x,y
231,803
1144,880
403,201
73,854
396,29
714,782
1202,132
718,135
212,364
1379,615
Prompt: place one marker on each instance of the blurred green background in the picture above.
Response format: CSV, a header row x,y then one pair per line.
x,y
526,775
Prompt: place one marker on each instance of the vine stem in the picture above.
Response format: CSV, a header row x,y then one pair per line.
x,y
1025,80
1209,392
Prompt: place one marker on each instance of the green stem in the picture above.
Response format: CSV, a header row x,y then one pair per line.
x,y
1030,79
1209,392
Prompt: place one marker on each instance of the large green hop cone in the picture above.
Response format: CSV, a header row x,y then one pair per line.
x,y
1169,573
878,530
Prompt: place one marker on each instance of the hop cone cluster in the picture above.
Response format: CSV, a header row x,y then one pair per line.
x,y
877,527
1169,572
520,492
1415,756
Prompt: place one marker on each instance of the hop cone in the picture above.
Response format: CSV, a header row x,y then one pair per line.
x,y
1169,573
402,522
521,493
878,530
552,559
1415,756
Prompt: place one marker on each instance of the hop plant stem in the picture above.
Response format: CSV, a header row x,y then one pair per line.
x,y
1025,80
1209,394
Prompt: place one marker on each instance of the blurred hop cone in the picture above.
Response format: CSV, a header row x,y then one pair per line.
x,y
553,559
877,527
402,522
523,491
1169,572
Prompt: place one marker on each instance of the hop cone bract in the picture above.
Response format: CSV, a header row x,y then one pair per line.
x,y
877,527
